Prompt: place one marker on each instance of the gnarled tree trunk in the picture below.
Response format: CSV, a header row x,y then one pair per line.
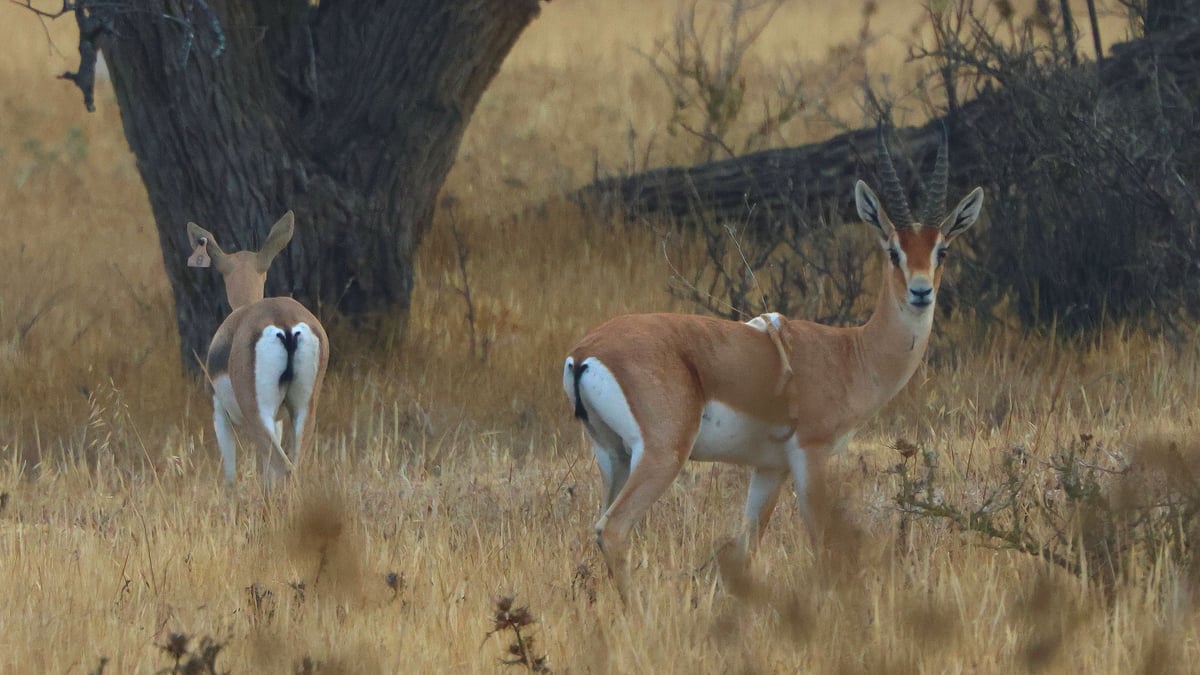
x,y
350,112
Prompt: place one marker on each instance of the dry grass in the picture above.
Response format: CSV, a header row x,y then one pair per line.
x,y
443,481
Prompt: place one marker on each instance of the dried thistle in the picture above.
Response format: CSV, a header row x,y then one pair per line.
x,y
201,661
905,447
176,646
520,650
395,581
262,602
583,581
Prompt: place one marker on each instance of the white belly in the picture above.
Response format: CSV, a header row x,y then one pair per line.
x,y
727,435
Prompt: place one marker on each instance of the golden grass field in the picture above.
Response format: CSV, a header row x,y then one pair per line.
x,y
467,478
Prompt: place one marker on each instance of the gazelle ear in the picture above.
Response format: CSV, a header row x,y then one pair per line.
x,y
871,211
205,251
281,234
964,215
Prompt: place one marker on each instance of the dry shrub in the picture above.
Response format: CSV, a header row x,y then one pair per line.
x,y
1093,171
1106,514
816,268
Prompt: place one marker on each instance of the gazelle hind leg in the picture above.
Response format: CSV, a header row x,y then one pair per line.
x,y
648,480
275,463
609,421
227,441
612,458
301,398
650,473
300,422
616,476
270,363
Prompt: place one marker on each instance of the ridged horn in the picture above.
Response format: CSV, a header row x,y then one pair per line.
x,y
893,192
934,208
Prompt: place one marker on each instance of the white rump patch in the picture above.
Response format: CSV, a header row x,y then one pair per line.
x,y
270,361
606,405
304,365
305,362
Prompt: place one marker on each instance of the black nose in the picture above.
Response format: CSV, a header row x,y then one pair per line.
x,y
920,293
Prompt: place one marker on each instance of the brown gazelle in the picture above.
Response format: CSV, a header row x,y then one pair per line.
x,y
777,395
268,355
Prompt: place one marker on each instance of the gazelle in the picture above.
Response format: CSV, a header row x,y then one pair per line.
x,y
268,355
777,395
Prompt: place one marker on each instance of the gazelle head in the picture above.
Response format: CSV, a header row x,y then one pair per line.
x,y
916,251
245,272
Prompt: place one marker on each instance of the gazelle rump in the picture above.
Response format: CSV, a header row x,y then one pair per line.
x,y
267,356
777,395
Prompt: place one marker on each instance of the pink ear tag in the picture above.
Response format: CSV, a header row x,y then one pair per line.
x,y
199,257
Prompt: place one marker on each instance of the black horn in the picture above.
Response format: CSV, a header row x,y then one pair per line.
x,y
893,192
935,200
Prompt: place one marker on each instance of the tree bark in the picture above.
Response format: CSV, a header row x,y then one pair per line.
x,y
349,112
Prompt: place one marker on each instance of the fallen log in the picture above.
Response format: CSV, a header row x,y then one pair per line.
x,y
766,189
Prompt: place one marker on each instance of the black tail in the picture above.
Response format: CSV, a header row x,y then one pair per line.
x,y
289,340
577,370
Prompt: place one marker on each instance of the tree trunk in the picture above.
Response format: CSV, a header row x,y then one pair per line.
x,y
348,112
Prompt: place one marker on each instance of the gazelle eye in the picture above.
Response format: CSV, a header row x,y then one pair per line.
x,y
895,256
942,253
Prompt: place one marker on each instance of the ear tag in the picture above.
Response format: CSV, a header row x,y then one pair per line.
x,y
199,257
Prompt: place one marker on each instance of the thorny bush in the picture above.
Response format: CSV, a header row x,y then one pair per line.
x,y
1099,512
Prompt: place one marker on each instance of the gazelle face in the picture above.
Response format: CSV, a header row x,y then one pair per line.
x,y
916,252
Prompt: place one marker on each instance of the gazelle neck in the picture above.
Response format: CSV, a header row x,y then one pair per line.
x,y
894,339
243,282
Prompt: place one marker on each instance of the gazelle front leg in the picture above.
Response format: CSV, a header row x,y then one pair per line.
x,y
761,497
798,461
807,465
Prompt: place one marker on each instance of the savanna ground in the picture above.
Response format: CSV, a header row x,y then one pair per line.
x,y
446,477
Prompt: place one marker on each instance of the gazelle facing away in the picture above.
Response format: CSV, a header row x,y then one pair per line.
x,y
777,395
268,355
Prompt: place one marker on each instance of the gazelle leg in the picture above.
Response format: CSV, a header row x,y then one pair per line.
x,y
763,494
798,460
226,441
274,462
301,398
810,489
613,460
648,480
301,422
614,469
